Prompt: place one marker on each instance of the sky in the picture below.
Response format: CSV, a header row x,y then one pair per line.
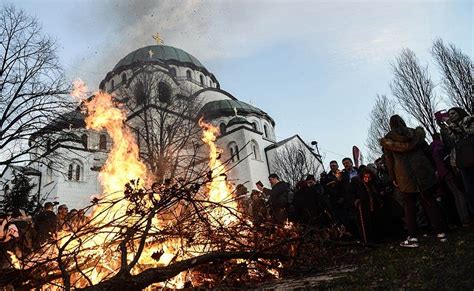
x,y
314,66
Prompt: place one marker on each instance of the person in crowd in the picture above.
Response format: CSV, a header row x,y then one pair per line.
x,y
461,128
243,201
62,217
45,224
367,204
409,164
8,235
304,203
322,209
442,119
348,192
332,188
8,230
258,209
448,182
392,201
24,224
278,198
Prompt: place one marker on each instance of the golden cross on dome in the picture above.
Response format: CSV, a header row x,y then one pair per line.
x,y
150,53
235,111
158,38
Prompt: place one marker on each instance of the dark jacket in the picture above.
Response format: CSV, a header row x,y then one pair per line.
x,y
278,195
45,225
439,155
348,189
408,159
332,189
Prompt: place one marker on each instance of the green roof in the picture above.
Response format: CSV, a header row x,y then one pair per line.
x,y
226,107
162,53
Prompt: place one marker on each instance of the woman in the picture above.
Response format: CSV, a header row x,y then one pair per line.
x,y
409,164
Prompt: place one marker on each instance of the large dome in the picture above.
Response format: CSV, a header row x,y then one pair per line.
x,y
163,53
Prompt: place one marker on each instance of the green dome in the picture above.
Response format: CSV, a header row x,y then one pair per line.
x,y
161,53
219,108
237,120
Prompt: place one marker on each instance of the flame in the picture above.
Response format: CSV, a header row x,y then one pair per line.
x,y
14,260
220,191
123,163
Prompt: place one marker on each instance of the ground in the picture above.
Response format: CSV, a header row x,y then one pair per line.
x,y
434,265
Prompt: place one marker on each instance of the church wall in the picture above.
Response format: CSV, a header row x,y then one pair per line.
x,y
272,153
248,170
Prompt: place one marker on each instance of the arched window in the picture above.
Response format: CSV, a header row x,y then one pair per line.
x,y
102,142
201,77
222,128
140,94
164,92
69,172
84,140
255,126
75,171
189,75
265,130
173,72
112,84
124,78
255,150
78,173
234,152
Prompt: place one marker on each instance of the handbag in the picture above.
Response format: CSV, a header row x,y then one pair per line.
x,y
465,152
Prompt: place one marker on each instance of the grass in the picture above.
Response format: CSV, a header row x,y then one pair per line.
x,y
434,265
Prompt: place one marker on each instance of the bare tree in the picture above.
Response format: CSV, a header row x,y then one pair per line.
x,y
293,162
123,243
31,84
165,123
379,124
457,69
413,89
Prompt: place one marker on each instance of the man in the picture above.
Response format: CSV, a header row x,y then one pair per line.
x,y
348,193
278,198
61,217
8,230
45,224
321,201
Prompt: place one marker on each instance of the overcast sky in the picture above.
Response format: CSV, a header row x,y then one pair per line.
x,y
314,66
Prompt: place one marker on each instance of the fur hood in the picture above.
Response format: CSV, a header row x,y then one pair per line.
x,y
403,139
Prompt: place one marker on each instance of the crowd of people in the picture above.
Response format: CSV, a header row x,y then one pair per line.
x,y
21,234
413,184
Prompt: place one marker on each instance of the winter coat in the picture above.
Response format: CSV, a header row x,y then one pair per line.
x,y
408,159
348,189
278,195
439,155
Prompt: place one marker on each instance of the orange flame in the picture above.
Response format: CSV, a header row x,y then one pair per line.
x,y
123,163
220,191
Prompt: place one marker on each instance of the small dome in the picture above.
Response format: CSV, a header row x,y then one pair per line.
x,y
220,108
238,120
164,53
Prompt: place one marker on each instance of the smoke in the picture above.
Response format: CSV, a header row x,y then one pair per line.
x,y
217,30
